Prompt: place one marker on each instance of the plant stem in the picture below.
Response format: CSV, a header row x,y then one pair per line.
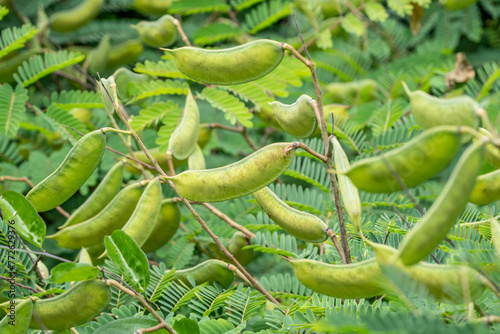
x,y
239,129
177,24
228,220
11,281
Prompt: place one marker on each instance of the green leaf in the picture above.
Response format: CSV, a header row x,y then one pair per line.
x,y
130,325
485,90
129,258
401,7
376,12
153,113
158,87
265,14
234,110
186,326
14,38
22,217
70,272
3,11
12,108
188,7
163,68
353,25
215,32
169,121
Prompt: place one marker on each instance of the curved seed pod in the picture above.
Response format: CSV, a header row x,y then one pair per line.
x,y
297,119
415,162
302,225
96,251
360,91
448,283
76,168
495,233
98,57
165,226
207,271
204,135
102,195
84,256
231,66
442,215
349,192
349,281
84,115
183,140
492,152
154,7
235,245
238,179
124,78
458,4
112,217
124,53
80,304
196,160
19,323
74,18
139,226
161,32
487,189
430,111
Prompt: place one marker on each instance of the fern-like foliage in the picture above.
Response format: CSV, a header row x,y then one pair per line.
x,y
164,68
275,243
309,171
243,304
265,14
9,152
38,67
94,31
170,121
285,285
153,114
234,110
57,118
68,100
158,87
12,108
180,253
239,5
14,38
189,7
214,33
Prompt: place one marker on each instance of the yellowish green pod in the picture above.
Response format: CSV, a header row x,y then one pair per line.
x,y
415,162
17,320
155,7
74,18
183,140
76,168
204,135
161,32
297,119
457,4
124,53
84,115
82,303
84,256
231,66
348,281
124,78
430,111
238,179
113,217
492,152
348,191
329,8
360,91
165,226
196,160
102,195
433,227
208,271
235,245
487,189
300,224
98,57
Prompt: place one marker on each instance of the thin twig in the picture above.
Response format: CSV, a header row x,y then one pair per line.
x,y
177,24
228,220
312,152
37,252
149,330
12,281
239,129
35,263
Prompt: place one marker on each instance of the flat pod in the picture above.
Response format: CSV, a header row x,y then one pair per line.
x,y
415,161
183,140
492,152
297,119
238,179
348,281
235,245
161,32
207,271
74,18
302,225
19,322
430,111
124,79
76,168
196,160
154,7
165,226
113,217
231,66
102,195
80,304
360,91
442,215
487,189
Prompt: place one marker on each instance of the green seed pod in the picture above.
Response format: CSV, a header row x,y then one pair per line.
x,y
154,7
19,322
183,140
165,226
74,18
458,4
84,115
348,281
98,57
487,189
447,283
415,162
76,168
124,78
492,152
204,135
9,67
80,304
102,195
161,32
235,245
349,192
302,225
139,226
231,66
208,271
84,256
329,8
442,215
112,217
430,111
361,91
196,160
238,179
124,53
297,119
